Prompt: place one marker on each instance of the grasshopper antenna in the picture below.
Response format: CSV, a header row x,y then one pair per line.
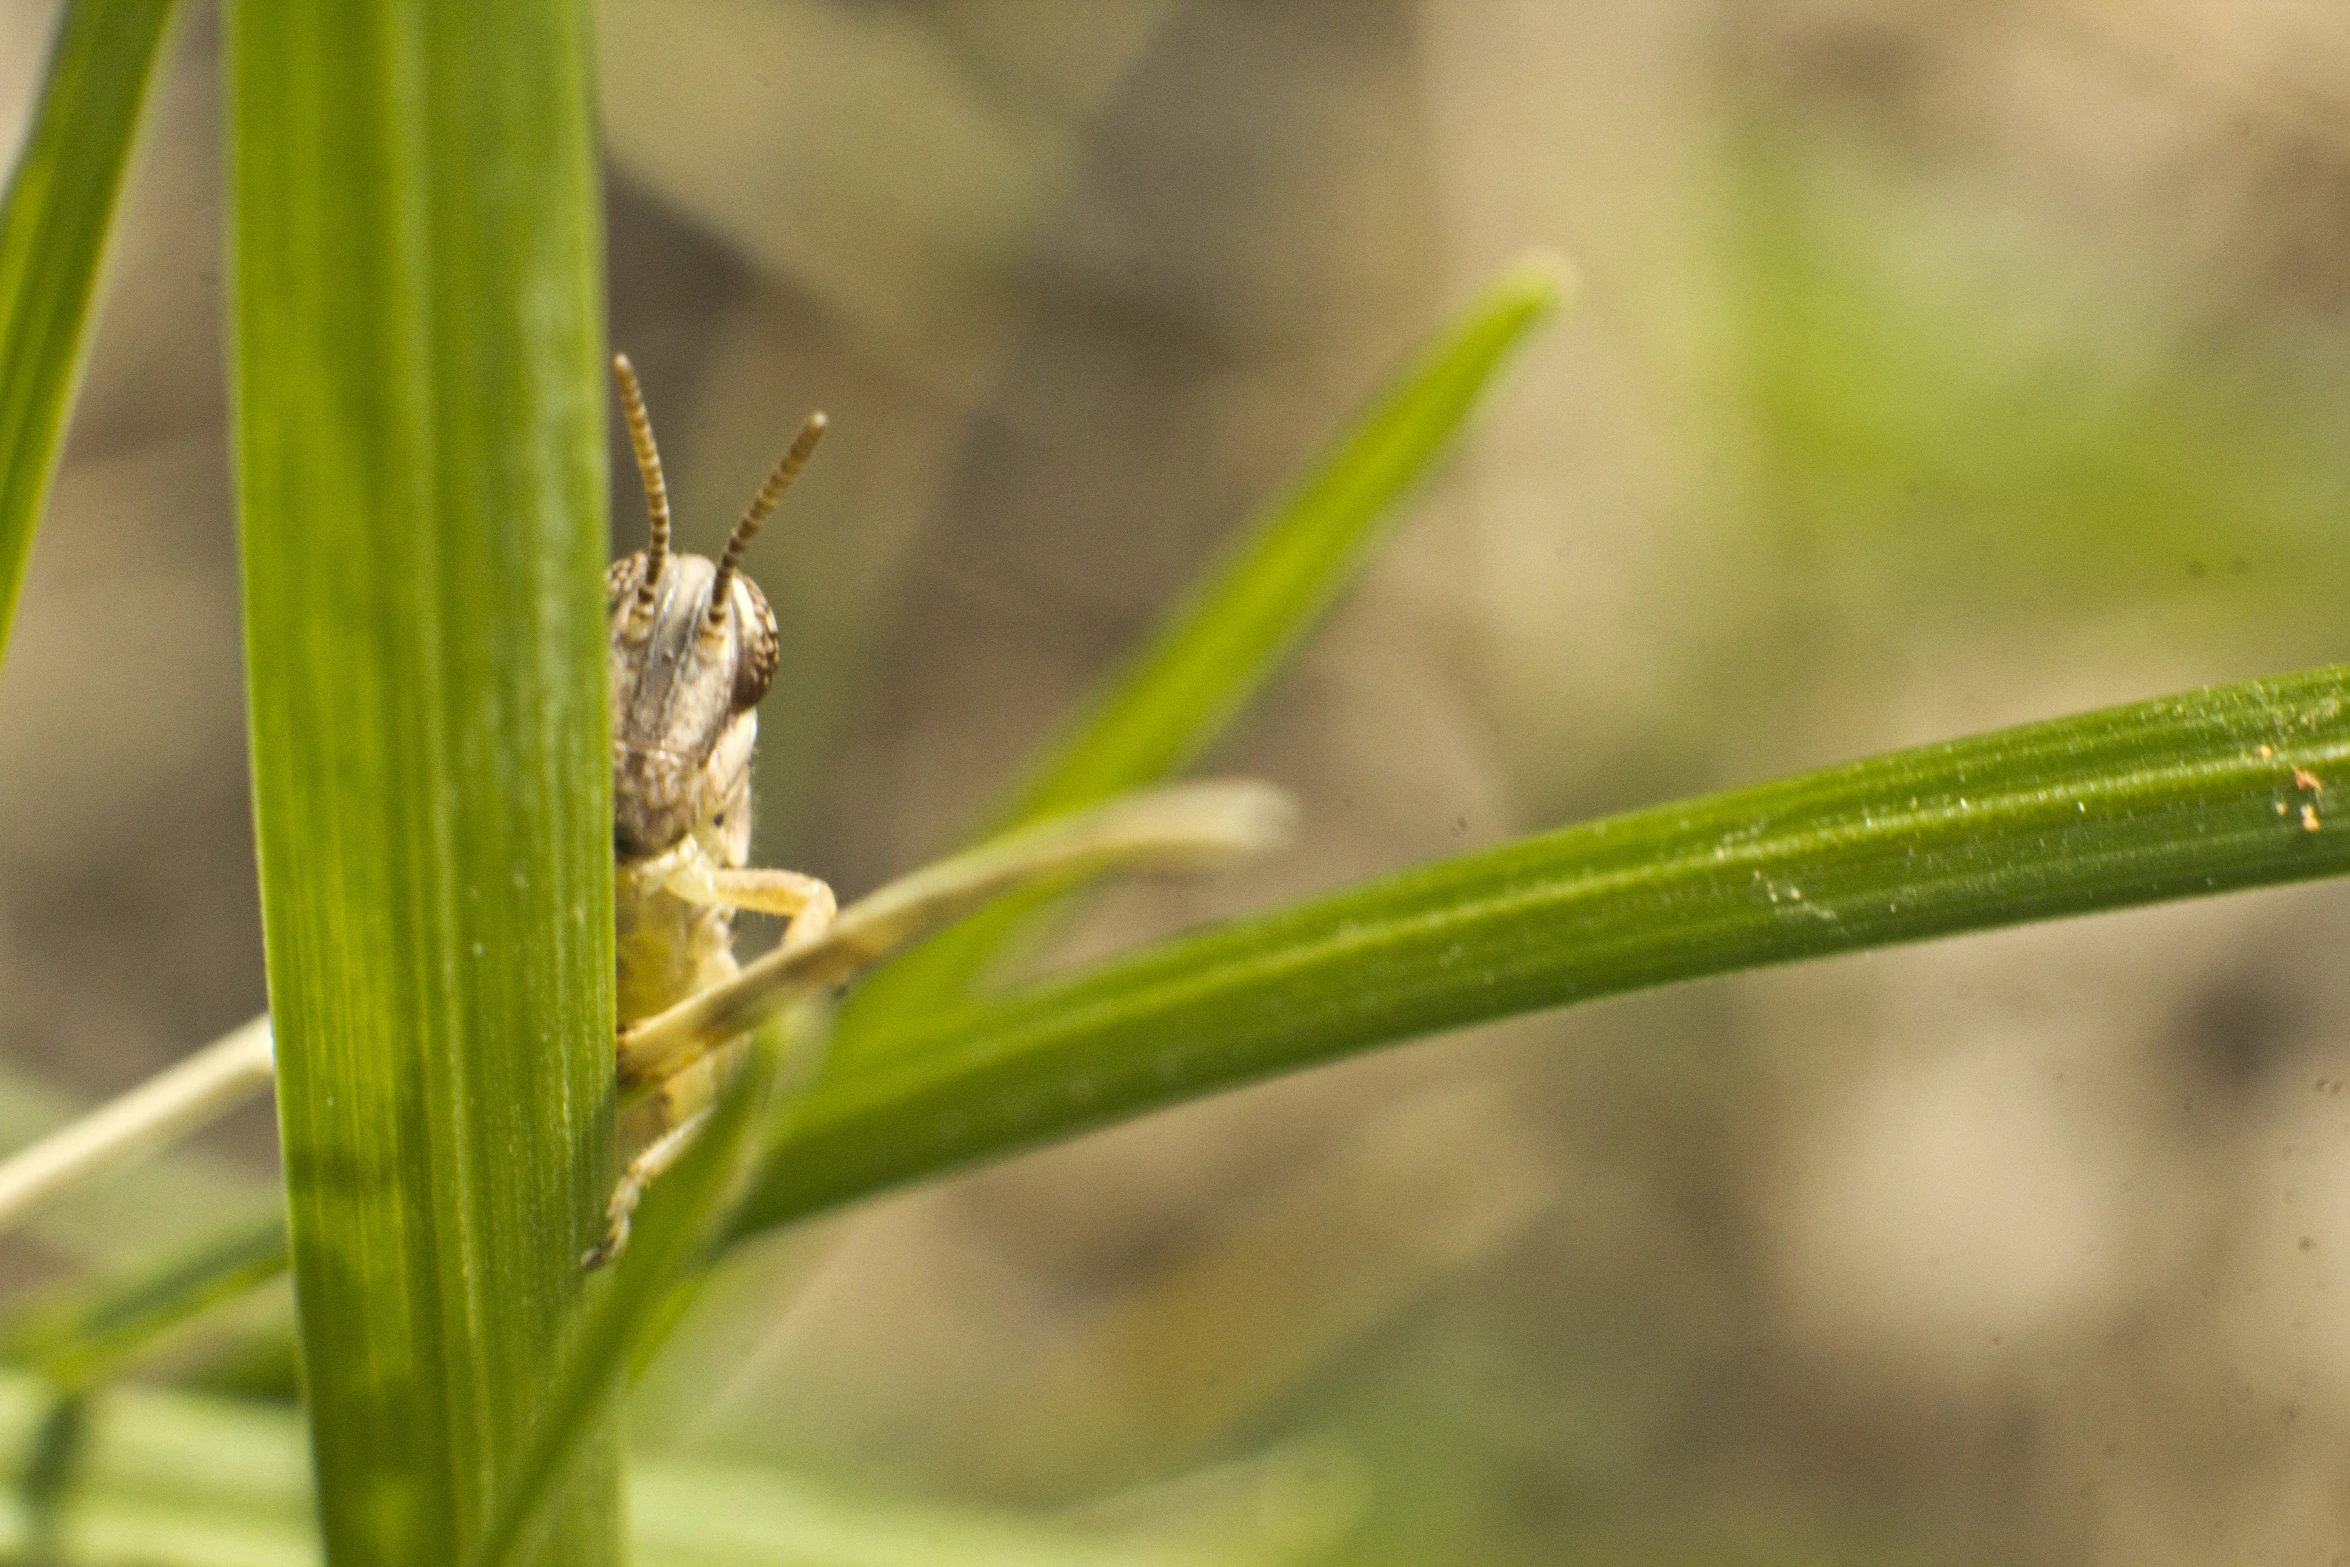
x,y
648,465
761,504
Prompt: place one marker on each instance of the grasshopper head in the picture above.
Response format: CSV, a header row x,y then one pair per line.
x,y
687,670
693,648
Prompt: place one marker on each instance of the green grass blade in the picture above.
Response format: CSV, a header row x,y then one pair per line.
x,y
85,1333
1221,643
61,1450
53,228
2224,788
421,472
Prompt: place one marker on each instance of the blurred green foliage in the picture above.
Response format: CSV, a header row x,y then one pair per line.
x,y
1975,431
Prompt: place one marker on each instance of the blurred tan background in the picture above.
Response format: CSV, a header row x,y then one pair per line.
x,y
1938,368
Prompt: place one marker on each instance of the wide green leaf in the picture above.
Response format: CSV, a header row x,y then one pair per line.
x,y
420,462
53,228
2230,787
1223,640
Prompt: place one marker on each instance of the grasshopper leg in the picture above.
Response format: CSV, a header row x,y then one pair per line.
x,y
807,902
649,1164
687,872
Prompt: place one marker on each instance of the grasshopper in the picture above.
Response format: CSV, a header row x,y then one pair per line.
x,y
693,647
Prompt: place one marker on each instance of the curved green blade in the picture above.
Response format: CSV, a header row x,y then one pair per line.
x,y
173,1479
2235,786
1223,641
53,229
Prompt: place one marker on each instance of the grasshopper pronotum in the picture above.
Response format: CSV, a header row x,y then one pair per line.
x,y
693,646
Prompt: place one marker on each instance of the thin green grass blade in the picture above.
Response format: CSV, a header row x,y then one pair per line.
x,y
420,453
90,1328
53,228
682,1218
1221,643
61,1451
2230,787
84,1334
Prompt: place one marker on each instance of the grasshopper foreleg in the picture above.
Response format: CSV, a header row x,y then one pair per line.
x,y
803,900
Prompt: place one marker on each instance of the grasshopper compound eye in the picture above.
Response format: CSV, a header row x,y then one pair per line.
x,y
759,649
620,580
